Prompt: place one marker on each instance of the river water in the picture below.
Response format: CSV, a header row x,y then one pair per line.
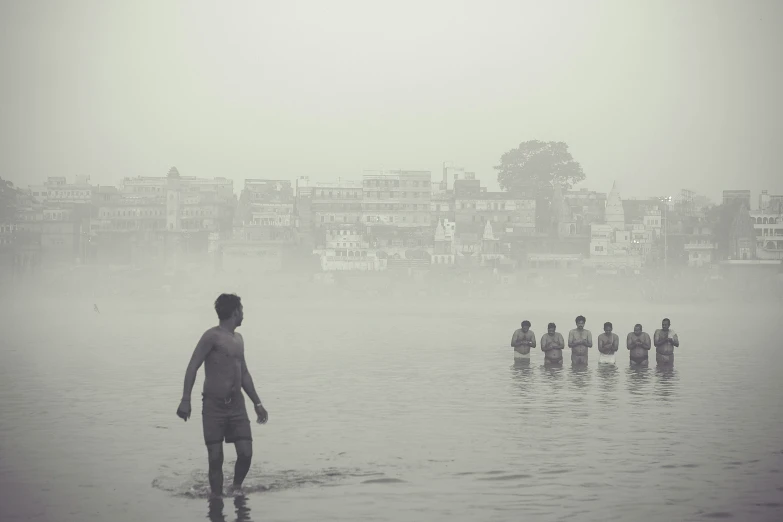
x,y
391,412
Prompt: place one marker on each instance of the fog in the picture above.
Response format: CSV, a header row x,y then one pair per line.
x,y
617,160
655,95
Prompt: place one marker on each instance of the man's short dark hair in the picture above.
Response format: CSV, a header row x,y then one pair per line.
x,y
526,323
226,304
581,318
666,319
607,323
637,324
550,325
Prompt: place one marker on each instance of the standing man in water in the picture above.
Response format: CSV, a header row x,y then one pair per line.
x,y
552,344
222,351
638,342
522,341
608,344
665,341
579,340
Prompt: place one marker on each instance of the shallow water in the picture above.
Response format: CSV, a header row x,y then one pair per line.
x,y
389,412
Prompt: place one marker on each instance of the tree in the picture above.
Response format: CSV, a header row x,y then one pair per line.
x,y
721,217
534,166
7,201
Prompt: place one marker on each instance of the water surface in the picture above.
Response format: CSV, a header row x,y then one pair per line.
x,y
389,412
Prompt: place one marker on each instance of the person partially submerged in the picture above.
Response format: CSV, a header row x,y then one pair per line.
x,y
552,344
608,344
580,340
638,343
222,351
522,341
665,341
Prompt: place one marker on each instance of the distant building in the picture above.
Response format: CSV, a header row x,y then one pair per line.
x,y
150,219
768,226
770,203
614,213
742,235
399,198
587,207
740,197
346,249
617,246
335,203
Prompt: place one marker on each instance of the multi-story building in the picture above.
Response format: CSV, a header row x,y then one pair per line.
x,y
587,207
739,197
399,198
336,203
616,245
442,207
768,226
770,203
509,214
699,246
153,218
266,211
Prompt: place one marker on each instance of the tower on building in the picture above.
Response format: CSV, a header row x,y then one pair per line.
x,y
615,215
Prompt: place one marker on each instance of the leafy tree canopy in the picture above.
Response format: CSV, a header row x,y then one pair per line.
x,y
7,200
532,168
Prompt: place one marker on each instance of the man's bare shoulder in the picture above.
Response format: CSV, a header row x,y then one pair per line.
x,y
211,333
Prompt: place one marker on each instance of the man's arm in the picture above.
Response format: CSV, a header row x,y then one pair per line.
x,y
571,341
532,340
658,339
646,341
247,383
629,341
515,339
544,344
589,341
560,341
675,340
615,342
203,348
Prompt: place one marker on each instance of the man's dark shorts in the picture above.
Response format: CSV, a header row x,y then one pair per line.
x,y
224,421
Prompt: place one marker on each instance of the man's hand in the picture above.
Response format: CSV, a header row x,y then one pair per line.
x,y
183,412
263,415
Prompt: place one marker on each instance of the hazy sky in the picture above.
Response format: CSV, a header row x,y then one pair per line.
x,y
658,95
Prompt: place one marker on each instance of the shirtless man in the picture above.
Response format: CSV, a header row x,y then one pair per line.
x,y
222,351
522,341
638,342
665,341
552,344
608,344
579,340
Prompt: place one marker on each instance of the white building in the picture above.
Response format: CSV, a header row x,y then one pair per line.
x,y
769,233
346,250
615,245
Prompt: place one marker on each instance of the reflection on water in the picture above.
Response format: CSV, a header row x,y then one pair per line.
x,y
637,379
666,383
579,376
608,375
216,513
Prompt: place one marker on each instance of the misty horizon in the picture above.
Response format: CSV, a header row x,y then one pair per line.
x,y
657,97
